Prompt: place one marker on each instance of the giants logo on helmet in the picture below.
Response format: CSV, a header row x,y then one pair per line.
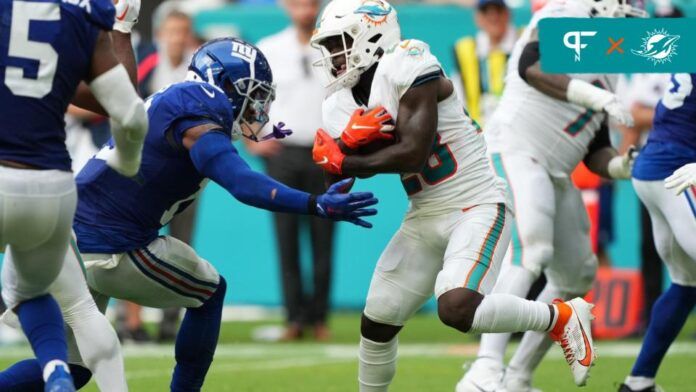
x,y
243,51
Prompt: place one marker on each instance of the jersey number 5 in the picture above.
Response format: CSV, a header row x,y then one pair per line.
x,y
440,166
23,13
679,89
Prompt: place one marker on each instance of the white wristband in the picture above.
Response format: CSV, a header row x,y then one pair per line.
x,y
586,95
618,169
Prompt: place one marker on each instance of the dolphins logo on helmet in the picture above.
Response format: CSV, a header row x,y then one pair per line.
x,y
658,46
374,11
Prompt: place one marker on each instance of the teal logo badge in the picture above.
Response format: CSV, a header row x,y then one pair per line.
x,y
617,45
658,46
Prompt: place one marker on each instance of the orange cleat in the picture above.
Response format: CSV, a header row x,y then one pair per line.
x,y
572,331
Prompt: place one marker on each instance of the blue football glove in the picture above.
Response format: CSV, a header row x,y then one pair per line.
x,y
337,204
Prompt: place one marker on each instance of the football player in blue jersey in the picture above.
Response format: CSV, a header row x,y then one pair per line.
x,y
46,49
192,126
669,155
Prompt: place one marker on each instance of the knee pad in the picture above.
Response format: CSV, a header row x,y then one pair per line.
x,y
377,332
536,256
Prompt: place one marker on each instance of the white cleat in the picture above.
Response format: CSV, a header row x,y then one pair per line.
x,y
484,375
573,332
514,382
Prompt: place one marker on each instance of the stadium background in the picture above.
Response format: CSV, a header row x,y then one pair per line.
x,y
239,240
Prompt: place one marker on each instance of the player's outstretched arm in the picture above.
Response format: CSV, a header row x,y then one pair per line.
x,y
111,86
604,160
416,125
215,157
565,88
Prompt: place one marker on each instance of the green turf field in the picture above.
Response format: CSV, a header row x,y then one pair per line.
x,y
431,358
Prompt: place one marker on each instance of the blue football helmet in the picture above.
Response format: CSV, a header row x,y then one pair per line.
x,y
240,70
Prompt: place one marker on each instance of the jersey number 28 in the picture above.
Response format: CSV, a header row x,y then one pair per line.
x,y
20,46
440,166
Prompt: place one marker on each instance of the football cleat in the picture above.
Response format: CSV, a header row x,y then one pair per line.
x,y
59,381
572,331
652,388
484,375
517,382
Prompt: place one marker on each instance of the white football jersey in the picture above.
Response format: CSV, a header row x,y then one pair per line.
x,y
457,174
527,121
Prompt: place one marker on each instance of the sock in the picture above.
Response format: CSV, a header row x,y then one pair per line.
x,y
638,383
42,323
377,364
515,281
26,376
196,342
509,313
92,335
668,317
534,345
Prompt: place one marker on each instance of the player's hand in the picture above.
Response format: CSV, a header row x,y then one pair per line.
x,y
326,153
124,167
682,178
336,204
127,12
620,167
364,128
618,111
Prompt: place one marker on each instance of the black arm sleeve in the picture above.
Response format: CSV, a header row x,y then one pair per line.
x,y
529,56
600,141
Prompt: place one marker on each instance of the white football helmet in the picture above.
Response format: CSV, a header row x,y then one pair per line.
x,y
615,9
372,27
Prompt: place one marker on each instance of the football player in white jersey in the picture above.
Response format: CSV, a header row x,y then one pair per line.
x,y
457,228
545,125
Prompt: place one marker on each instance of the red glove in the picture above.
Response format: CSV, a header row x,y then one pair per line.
x,y
326,153
363,128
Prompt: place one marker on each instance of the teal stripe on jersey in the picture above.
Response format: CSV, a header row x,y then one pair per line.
x,y
473,281
515,237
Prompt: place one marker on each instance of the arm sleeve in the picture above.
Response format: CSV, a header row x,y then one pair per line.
x,y
215,157
529,56
600,141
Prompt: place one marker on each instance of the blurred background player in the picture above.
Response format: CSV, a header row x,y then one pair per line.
x,y
482,59
299,94
641,93
74,45
457,228
668,160
550,233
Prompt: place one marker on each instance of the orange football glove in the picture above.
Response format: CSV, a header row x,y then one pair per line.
x,y
364,128
326,152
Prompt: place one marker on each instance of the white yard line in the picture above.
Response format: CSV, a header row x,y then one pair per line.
x,y
296,353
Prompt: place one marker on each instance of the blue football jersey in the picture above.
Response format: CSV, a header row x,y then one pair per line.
x,y
117,214
672,141
46,49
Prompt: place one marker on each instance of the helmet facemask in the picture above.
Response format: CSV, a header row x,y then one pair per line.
x,y
341,64
616,9
253,115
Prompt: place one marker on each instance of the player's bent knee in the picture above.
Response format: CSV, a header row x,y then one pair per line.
x,y
456,308
377,332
